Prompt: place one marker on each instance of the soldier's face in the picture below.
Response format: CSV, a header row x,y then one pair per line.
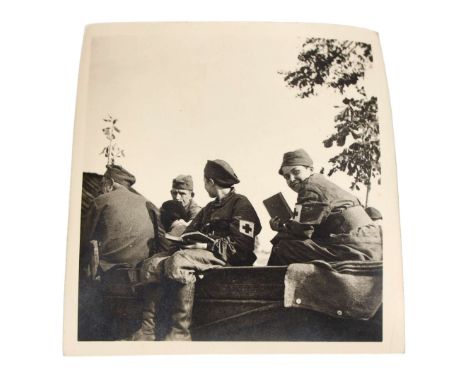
x,y
182,196
210,188
295,175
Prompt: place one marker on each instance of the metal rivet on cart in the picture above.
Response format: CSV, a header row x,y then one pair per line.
x,y
339,312
298,301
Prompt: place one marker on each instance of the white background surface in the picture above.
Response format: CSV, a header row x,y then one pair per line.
x,y
424,49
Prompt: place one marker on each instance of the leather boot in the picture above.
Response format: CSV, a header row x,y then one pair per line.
x,y
151,300
181,313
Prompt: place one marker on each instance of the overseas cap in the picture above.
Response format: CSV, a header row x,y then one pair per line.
x,y
183,182
296,158
120,175
221,172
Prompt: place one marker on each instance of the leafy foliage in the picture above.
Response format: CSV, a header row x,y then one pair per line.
x,y
111,151
357,121
331,63
341,66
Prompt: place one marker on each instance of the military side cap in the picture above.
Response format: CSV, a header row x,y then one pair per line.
x,y
373,213
221,172
120,175
296,158
183,182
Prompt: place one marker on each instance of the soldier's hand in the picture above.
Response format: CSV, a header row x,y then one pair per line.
x,y
276,224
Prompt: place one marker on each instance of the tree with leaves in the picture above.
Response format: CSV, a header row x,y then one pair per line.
x,y
330,63
357,119
111,151
341,66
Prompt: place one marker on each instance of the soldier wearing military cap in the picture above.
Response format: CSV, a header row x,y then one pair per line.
x,y
119,175
231,221
125,229
123,223
182,191
329,223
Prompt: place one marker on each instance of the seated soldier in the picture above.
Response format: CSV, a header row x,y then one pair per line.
x,y
125,229
124,223
330,223
231,221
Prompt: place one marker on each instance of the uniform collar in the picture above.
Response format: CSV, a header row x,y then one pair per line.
x,y
311,178
305,182
223,201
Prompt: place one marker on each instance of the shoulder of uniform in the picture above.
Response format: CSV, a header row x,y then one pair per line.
x,y
101,199
194,205
207,206
239,198
313,181
150,204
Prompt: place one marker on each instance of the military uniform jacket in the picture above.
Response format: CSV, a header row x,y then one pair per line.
x,y
318,189
232,217
125,225
325,203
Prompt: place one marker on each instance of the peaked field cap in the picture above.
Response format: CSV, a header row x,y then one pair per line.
x,y
183,182
296,158
120,175
221,172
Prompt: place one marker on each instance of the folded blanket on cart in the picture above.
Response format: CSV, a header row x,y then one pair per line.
x,y
345,289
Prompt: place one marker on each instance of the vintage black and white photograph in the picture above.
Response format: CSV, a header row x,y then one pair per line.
x,y
233,183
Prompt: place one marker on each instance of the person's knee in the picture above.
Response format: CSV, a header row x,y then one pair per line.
x,y
151,269
178,268
276,256
287,252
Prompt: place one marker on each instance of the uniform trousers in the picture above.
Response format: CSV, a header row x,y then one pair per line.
x,y
363,243
183,265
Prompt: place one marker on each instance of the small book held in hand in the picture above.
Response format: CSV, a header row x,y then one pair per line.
x,y
190,237
277,206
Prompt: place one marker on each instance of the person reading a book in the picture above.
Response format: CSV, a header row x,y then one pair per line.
x,y
328,223
182,192
223,233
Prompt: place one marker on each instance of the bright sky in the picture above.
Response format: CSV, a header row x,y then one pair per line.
x,y
185,95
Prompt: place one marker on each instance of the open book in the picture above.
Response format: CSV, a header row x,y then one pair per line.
x,y
190,237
